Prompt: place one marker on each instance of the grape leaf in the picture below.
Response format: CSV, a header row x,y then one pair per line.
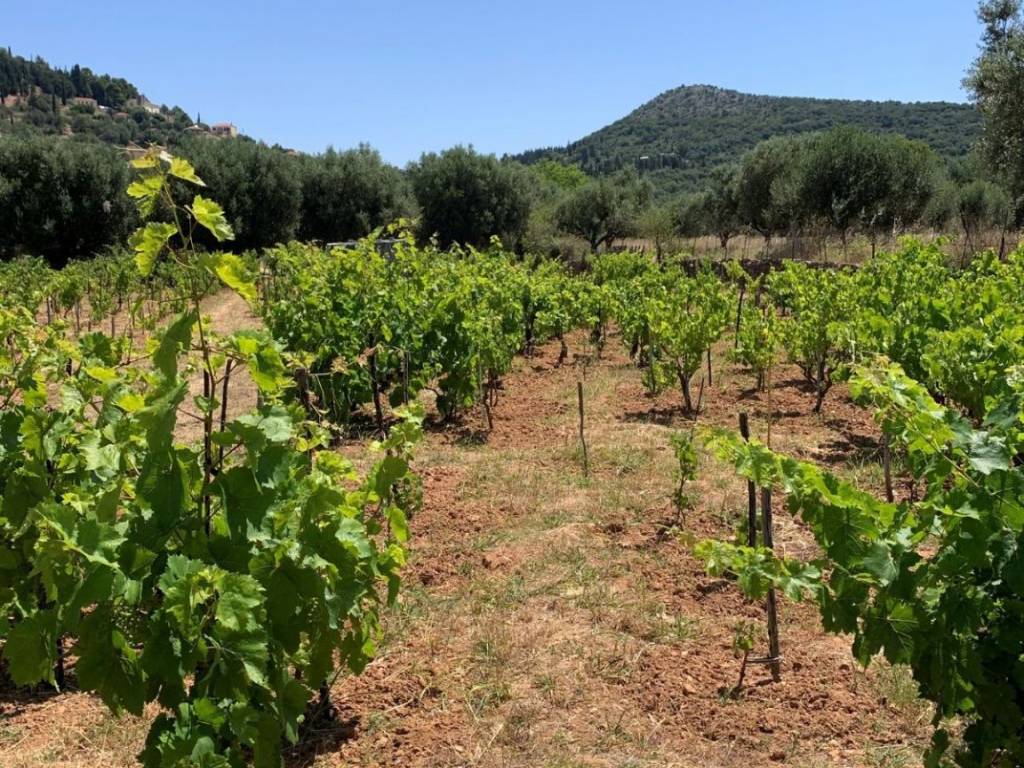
x,y
31,648
148,241
211,216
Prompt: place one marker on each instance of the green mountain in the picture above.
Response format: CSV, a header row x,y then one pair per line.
x,y
678,137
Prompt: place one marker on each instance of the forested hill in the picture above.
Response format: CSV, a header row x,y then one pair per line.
x,y
19,75
678,137
38,98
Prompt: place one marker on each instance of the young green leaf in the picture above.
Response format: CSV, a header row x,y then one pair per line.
x,y
211,216
182,169
148,241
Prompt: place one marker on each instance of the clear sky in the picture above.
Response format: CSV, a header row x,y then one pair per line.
x,y
415,76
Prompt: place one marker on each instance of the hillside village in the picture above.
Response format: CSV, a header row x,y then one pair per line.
x,y
40,109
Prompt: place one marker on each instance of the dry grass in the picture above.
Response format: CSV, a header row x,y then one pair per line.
x,y
818,247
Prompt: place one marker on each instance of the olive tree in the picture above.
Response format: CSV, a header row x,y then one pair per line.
x,y
766,184
346,195
605,209
996,84
465,197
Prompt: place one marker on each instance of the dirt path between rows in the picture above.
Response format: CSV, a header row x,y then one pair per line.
x,y
550,619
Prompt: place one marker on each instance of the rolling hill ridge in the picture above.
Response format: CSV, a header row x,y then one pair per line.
x,y
679,136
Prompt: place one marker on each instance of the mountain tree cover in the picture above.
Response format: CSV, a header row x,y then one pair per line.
x,y
679,137
466,197
19,75
850,179
47,107
45,115
845,179
840,181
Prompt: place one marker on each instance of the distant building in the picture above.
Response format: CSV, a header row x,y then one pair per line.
x,y
84,101
143,103
224,130
196,130
134,151
15,100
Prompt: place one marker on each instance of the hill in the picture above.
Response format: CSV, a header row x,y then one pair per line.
x,y
675,139
679,136
38,98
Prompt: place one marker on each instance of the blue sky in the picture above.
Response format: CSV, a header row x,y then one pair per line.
x,y
409,77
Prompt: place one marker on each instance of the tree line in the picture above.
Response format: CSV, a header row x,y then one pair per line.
x,y
842,182
62,198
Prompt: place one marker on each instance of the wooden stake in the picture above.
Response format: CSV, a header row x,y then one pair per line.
x,y
58,665
378,409
751,490
224,410
772,607
208,393
739,315
887,468
406,364
583,440
302,382
485,402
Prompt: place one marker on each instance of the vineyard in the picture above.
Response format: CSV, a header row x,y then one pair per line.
x,y
416,506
